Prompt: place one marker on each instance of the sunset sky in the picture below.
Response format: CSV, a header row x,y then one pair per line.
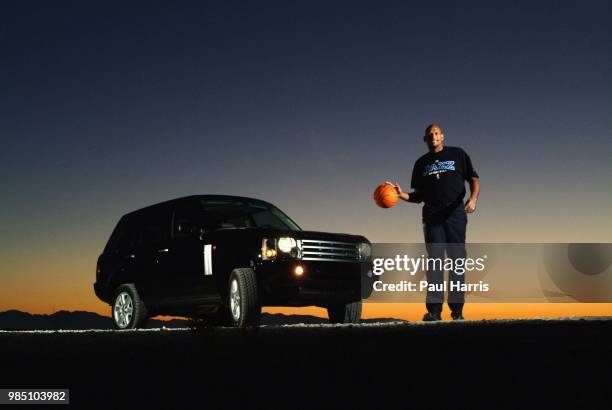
x,y
108,107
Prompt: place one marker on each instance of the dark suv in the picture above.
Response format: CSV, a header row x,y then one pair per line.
x,y
221,258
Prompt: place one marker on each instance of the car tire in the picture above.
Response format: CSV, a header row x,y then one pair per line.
x,y
128,311
243,298
345,313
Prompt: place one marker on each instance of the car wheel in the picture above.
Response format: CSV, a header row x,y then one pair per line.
x,y
345,313
128,310
243,301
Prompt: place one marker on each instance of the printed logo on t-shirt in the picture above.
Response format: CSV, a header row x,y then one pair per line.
x,y
438,168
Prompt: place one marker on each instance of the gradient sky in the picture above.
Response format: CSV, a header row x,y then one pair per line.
x,y
107,107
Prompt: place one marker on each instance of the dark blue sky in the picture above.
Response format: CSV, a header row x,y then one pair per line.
x,y
107,107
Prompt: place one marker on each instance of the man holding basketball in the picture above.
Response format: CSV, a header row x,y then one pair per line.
x,y
438,180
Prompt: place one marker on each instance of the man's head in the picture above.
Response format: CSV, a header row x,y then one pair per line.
x,y
433,137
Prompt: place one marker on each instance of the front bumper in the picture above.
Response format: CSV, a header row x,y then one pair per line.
x,y
322,282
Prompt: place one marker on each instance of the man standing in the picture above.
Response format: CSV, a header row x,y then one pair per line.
x,y
438,180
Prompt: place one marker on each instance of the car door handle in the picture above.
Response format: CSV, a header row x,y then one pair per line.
x,y
163,250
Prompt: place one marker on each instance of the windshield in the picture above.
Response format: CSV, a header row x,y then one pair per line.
x,y
232,214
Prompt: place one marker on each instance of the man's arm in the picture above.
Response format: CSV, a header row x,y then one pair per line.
x,y
414,196
470,205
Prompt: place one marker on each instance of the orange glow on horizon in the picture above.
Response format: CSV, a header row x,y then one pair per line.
x,y
414,311
41,298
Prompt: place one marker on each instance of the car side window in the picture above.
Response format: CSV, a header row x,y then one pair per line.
x,y
122,238
152,233
186,222
154,227
116,239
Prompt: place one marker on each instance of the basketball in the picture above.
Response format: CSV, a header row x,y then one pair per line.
x,y
385,196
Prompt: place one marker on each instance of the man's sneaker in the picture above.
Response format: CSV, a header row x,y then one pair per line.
x,y
456,316
432,317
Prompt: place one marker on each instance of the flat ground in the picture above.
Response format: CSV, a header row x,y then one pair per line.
x,y
509,364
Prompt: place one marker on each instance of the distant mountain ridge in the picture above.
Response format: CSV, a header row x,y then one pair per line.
x,y
82,320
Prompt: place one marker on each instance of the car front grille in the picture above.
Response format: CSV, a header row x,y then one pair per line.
x,y
315,250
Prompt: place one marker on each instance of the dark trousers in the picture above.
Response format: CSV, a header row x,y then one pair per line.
x,y
445,234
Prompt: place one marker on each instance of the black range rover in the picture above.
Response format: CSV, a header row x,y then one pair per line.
x,y
221,258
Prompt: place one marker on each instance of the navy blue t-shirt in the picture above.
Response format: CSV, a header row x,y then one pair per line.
x,y
439,180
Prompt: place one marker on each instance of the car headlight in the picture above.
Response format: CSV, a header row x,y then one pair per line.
x,y
286,244
365,250
270,248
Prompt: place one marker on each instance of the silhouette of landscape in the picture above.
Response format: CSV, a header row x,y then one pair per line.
x,y
14,320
